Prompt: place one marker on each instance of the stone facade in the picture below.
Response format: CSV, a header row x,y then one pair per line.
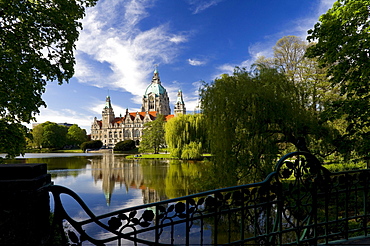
x,y
112,129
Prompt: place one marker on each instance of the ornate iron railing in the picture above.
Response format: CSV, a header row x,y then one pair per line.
x,y
300,203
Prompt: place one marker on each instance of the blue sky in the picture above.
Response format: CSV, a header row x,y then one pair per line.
x,y
190,41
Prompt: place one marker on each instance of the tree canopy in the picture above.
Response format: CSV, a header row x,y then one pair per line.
x,y
186,136
76,136
251,117
342,48
126,145
52,135
153,135
37,39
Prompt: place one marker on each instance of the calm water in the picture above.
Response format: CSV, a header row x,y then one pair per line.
x,y
109,182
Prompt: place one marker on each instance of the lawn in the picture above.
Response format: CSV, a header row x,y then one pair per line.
x,y
150,156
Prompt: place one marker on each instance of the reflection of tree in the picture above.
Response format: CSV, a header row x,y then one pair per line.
x,y
154,172
72,165
186,177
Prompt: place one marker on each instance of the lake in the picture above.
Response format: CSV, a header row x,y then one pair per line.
x,y
109,182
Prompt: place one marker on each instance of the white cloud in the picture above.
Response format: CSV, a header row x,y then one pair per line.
x,y
195,62
177,39
128,53
198,6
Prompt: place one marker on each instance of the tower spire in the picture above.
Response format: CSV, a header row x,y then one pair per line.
x,y
180,105
156,78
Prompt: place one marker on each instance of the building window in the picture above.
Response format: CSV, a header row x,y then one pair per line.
x,y
151,102
137,133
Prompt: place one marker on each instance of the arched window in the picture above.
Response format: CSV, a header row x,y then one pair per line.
x,y
151,102
127,133
137,133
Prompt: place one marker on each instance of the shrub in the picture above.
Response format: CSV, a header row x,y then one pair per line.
x,y
125,145
97,144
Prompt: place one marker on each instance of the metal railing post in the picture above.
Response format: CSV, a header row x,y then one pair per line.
x,y
24,204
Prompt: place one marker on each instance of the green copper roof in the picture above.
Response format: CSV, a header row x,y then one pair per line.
x,y
155,88
179,98
107,102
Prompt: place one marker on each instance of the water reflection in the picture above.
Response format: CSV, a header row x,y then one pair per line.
x,y
110,182
156,179
115,170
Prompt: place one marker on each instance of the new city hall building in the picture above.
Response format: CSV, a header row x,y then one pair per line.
x,y
112,129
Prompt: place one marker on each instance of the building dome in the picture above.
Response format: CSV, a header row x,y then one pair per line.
x,y
155,86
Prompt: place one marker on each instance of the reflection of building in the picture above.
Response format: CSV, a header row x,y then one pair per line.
x,y
112,129
113,170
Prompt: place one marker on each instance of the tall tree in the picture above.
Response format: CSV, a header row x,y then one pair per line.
x,y
186,136
250,118
37,135
313,88
153,135
342,47
54,136
76,135
37,39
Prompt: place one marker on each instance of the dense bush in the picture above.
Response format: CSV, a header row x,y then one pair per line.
x,y
97,144
125,145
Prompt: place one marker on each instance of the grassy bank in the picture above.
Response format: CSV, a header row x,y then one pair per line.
x,y
150,156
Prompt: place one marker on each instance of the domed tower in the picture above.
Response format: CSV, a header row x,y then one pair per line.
x,y
156,97
180,105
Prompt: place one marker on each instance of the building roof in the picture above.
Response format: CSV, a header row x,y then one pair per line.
x,y
168,117
179,98
152,115
155,86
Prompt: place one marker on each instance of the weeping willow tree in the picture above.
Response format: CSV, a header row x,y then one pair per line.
x,y
186,136
251,117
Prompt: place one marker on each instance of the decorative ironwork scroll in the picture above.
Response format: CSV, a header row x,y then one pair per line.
x,y
300,203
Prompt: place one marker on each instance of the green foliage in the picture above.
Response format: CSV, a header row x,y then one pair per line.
x,y
55,136
76,135
342,36
192,151
52,135
126,145
251,118
37,39
38,135
340,167
96,144
153,135
186,136
312,90
13,144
